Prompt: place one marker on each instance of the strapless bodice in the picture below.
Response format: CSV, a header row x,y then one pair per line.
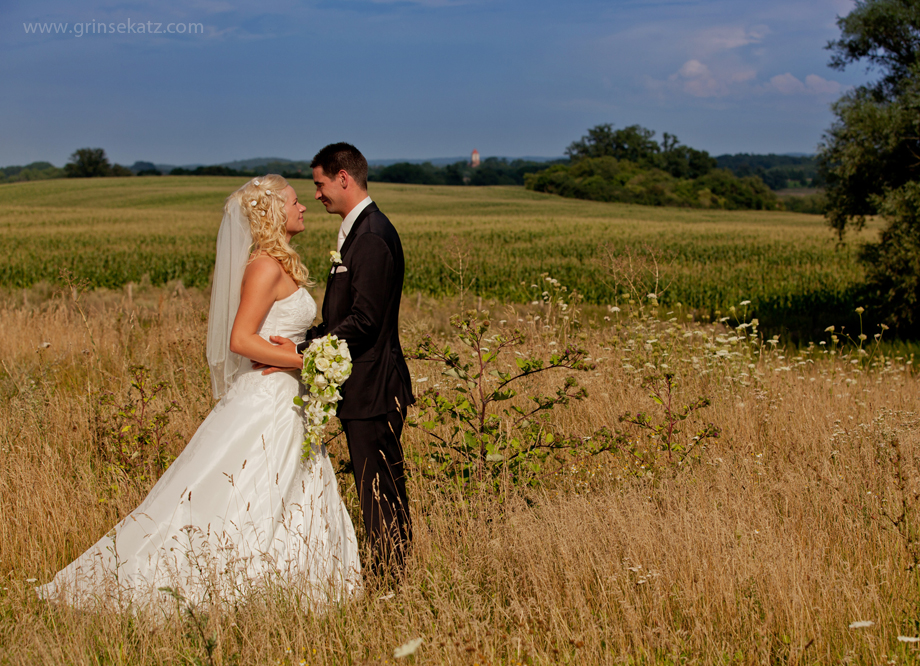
x,y
290,317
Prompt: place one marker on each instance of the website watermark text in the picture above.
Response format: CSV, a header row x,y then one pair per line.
x,y
127,27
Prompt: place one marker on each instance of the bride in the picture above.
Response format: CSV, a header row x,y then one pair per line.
x,y
239,508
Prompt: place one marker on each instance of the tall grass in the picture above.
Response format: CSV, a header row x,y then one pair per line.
x,y
786,531
115,231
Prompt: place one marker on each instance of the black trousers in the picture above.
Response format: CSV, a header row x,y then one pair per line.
x,y
376,454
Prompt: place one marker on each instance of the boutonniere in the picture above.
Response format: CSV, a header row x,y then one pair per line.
x,y
335,257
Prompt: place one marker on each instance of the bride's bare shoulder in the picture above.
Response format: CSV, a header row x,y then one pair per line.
x,y
264,266
262,273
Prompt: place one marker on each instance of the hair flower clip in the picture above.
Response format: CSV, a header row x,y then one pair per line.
x,y
262,213
253,202
257,182
268,192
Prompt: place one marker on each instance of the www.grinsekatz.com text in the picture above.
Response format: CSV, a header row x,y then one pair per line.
x,y
127,27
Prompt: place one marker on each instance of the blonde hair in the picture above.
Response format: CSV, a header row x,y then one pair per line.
x,y
263,205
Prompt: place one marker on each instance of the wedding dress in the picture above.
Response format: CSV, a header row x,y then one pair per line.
x,y
239,509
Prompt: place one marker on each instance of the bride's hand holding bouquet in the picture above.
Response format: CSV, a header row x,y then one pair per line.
x,y
326,366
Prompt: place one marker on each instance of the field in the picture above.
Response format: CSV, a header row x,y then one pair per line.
x,y
114,231
791,537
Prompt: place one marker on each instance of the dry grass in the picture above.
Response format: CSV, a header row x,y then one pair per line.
x,y
765,551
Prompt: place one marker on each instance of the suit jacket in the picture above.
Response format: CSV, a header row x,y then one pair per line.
x,y
361,306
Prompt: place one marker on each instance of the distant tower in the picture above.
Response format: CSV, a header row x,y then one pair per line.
x,y
474,159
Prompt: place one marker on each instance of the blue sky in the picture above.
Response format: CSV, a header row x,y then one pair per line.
x,y
412,78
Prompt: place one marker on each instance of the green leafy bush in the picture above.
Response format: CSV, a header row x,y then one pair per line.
x,y
609,179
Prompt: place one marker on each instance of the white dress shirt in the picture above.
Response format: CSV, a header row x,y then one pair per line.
x,y
349,221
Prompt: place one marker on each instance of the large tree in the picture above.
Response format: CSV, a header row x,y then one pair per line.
x,y
637,144
88,163
870,157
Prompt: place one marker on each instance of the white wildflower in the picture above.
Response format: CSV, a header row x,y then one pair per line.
x,y
407,649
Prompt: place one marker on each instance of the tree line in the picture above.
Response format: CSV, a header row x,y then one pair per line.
x,y
628,165
777,171
33,171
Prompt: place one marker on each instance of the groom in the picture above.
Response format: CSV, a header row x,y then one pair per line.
x,y
361,306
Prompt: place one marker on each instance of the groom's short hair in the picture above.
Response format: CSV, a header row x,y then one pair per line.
x,y
342,156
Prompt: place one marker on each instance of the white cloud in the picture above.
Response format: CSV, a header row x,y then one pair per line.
x,y
728,37
822,86
693,69
787,84
697,79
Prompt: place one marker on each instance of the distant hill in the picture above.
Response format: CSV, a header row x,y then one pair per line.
x,y
256,162
166,168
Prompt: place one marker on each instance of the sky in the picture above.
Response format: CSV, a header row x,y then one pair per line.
x,y
223,81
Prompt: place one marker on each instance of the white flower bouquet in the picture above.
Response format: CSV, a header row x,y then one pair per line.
x,y
326,366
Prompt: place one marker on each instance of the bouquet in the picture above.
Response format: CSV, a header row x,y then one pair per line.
x,y
326,366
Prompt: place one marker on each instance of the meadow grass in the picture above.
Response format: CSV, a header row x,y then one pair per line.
x,y
494,241
798,521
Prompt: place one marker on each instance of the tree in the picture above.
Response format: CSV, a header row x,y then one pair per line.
x,y
633,143
406,172
88,163
682,161
637,144
120,171
870,156
893,264
885,34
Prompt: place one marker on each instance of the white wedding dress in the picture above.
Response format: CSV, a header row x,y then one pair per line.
x,y
238,510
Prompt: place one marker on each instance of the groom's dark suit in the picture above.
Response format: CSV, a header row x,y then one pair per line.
x,y
361,306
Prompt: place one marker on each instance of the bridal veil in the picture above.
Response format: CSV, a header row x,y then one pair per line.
x,y
234,242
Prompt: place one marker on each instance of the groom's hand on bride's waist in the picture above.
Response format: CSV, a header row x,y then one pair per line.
x,y
286,345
